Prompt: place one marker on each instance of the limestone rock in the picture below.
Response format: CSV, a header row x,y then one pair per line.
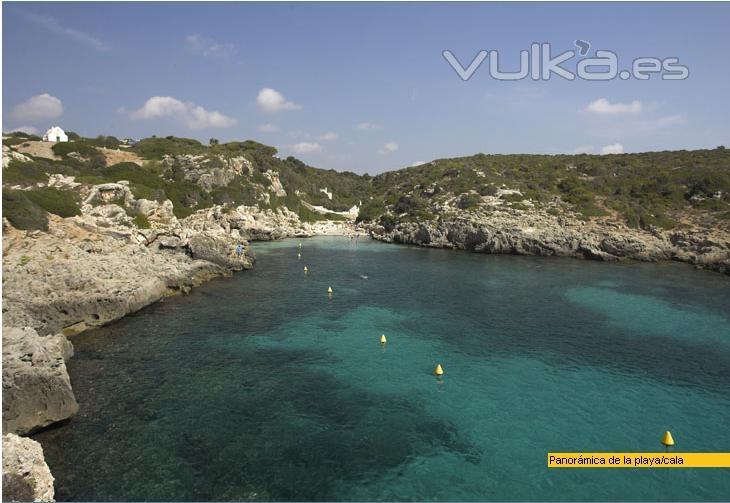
x,y
222,251
276,187
534,232
11,155
36,387
63,182
107,193
206,171
26,476
154,210
107,215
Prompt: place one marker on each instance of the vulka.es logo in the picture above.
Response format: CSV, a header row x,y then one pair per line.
x,y
537,63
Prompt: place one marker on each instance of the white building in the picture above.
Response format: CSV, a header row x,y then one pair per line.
x,y
55,134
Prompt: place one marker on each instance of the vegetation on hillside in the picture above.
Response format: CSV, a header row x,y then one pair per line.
x,y
167,169
23,213
643,190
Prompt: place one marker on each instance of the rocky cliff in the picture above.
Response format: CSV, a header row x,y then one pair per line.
x,y
532,232
36,387
92,269
26,476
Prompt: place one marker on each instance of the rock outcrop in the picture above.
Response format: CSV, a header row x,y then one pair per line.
x,y
89,270
209,172
11,155
537,233
36,387
26,476
93,269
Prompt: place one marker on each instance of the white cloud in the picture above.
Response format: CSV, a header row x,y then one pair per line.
x,y
583,149
306,147
42,106
368,126
604,107
192,115
202,118
209,47
271,100
328,136
417,163
614,148
269,128
50,24
24,129
388,147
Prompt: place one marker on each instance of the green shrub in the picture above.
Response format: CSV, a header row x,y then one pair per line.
x,y
92,158
488,190
371,210
111,142
468,201
63,203
24,173
591,210
13,140
307,215
157,148
388,222
134,174
408,204
24,136
23,213
141,221
65,148
513,198
143,192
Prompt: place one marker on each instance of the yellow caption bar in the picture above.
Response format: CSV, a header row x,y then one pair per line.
x,y
638,459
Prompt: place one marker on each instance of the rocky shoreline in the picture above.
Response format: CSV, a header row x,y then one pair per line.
x,y
93,269
538,233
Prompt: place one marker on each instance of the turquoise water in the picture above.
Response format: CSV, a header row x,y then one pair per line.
x,y
260,387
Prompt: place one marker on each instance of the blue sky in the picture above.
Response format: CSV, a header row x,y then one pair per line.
x,y
364,87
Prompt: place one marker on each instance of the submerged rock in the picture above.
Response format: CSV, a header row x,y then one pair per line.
x,y
26,476
36,387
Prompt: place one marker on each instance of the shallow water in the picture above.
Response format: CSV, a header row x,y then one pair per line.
x,y
260,387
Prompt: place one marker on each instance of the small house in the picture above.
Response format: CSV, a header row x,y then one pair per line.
x,y
55,134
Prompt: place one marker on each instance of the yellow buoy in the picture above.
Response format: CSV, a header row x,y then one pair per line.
x,y
383,340
439,371
306,270
667,439
329,290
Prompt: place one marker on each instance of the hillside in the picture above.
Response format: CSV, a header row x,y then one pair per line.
x,y
665,190
189,174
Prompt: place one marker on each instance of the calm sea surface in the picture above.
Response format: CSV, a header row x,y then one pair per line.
x,y
260,387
